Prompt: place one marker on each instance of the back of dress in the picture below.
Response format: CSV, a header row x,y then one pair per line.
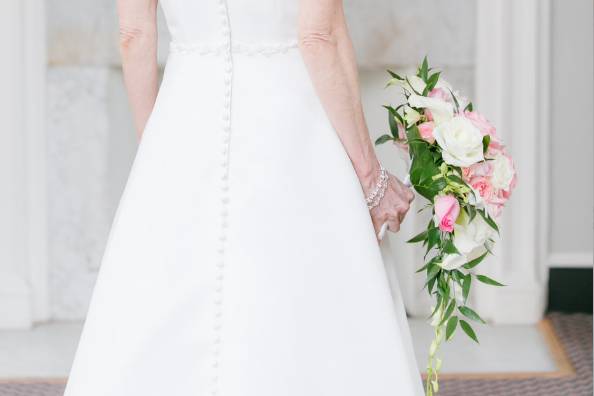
x,y
242,260
214,21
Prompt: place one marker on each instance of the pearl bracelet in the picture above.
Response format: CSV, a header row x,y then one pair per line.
x,y
374,198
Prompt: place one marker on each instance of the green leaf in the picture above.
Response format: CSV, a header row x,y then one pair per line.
x,y
423,167
486,141
466,287
394,75
451,327
489,220
418,238
470,314
488,281
469,107
457,179
430,285
450,248
424,69
423,268
383,139
394,119
471,212
455,101
431,82
392,122
457,275
433,237
432,271
473,263
437,305
415,140
468,330
449,311
443,287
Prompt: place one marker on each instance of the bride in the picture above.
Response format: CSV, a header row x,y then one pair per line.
x,y
243,258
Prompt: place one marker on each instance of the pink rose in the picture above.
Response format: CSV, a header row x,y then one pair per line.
x,y
483,186
480,169
481,123
495,148
426,131
440,93
447,210
466,173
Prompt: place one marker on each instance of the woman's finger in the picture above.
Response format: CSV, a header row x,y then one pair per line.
x,y
394,225
411,195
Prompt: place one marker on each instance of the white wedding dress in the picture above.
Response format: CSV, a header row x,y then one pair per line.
x,y
242,260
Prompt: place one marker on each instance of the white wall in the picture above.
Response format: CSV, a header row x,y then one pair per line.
x,y
572,133
90,145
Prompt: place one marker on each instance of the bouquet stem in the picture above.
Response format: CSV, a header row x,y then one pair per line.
x,y
434,363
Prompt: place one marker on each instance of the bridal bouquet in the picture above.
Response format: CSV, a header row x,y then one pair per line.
x,y
458,163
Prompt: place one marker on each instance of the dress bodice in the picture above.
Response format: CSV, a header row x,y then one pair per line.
x,y
244,21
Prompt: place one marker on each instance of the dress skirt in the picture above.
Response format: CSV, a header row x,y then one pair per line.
x,y
242,260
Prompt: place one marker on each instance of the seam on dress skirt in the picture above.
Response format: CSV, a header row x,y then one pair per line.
x,y
220,263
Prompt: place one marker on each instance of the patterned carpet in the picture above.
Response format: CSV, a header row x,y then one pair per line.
x,y
574,331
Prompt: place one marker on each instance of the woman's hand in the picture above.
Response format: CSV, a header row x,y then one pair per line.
x,y
393,206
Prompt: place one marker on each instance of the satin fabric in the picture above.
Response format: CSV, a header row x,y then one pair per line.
x,y
242,260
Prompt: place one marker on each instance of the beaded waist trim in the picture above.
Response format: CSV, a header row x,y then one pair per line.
x,y
237,47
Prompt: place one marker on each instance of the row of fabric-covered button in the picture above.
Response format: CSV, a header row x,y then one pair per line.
x,y
224,191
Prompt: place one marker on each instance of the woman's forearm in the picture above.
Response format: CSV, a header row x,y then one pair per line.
x,y
330,59
138,47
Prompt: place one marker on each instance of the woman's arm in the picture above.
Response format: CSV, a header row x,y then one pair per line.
x,y
138,46
328,54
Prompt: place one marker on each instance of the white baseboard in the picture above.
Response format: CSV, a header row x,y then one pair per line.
x,y
570,260
514,304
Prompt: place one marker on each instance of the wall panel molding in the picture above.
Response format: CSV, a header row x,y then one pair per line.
x,y
23,230
512,89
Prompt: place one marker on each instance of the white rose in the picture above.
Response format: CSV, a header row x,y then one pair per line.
x,y
470,238
460,140
411,116
453,261
440,110
503,172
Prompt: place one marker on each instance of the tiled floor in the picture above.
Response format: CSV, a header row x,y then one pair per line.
x,y
502,349
47,351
